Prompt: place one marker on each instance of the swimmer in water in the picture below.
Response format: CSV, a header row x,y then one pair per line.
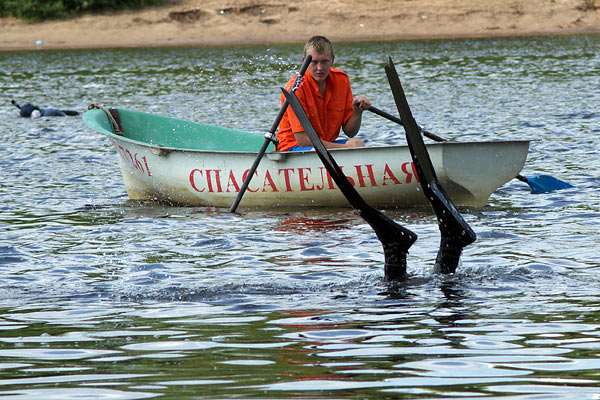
x,y
31,111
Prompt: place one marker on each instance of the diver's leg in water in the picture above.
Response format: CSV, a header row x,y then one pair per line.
x,y
52,112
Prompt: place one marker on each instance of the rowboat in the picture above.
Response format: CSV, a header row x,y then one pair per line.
x,y
188,163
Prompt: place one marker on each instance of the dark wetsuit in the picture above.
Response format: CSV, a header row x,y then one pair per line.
x,y
28,108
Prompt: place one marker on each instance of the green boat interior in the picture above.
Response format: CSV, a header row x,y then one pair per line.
x,y
174,133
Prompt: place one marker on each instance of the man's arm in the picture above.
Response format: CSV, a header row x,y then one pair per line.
x,y
304,141
352,127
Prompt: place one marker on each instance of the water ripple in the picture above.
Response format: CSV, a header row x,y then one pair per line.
x,y
103,297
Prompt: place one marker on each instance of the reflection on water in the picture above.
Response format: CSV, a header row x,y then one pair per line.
x,y
102,297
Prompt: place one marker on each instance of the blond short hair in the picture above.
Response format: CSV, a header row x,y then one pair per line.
x,y
320,44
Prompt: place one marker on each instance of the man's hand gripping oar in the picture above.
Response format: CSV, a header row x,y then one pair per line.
x,y
396,239
270,136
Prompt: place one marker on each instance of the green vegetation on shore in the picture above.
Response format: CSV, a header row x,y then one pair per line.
x,y
40,10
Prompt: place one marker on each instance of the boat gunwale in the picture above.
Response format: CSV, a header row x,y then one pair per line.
x,y
170,149
291,153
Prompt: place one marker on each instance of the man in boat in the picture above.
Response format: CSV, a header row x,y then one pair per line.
x,y
326,97
31,111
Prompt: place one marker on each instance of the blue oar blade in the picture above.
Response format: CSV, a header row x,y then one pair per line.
x,y
546,183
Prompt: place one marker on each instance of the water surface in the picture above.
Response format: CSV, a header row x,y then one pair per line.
x,y
101,297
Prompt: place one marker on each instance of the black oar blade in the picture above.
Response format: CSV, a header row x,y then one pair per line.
x,y
395,239
456,233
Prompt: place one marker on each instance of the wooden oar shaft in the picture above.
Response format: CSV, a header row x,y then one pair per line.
x,y
430,135
522,178
399,121
251,172
269,137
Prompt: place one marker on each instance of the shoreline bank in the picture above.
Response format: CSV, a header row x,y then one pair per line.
x,y
249,22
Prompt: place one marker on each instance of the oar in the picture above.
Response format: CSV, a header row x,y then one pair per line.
x,y
395,239
456,233
544,183
537,184
270,136
397,120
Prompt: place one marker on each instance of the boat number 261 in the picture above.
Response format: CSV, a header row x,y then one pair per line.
x,y
138,162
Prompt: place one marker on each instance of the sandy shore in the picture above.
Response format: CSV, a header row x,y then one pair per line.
x,y
221,22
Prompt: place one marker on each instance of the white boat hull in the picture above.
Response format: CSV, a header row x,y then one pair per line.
x,y
384,176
